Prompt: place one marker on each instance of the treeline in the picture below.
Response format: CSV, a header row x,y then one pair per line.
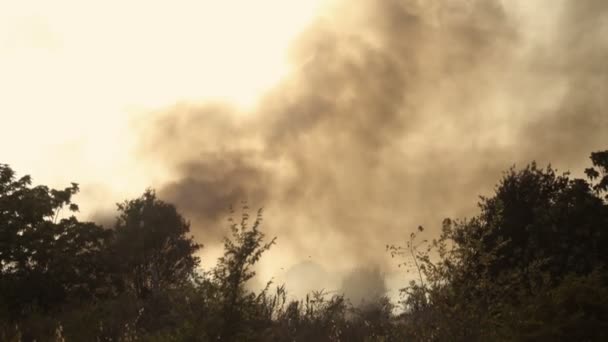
x,y
531,266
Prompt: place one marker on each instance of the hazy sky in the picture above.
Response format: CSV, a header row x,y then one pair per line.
x,y
74,74
350,121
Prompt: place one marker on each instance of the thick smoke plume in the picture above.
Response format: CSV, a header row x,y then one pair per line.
x,y
397,113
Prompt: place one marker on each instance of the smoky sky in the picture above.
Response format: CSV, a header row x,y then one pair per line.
x,y
397,113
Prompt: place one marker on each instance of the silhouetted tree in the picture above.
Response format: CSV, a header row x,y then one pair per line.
x,y
540,233
152,247
241,252
45,260
543,217
599,171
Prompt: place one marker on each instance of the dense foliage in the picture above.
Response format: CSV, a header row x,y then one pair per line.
x,y
531,266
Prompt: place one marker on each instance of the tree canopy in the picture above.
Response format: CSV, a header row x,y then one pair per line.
x,y
530,266
151,245
44,259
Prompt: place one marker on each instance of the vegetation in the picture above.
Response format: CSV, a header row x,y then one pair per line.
x,y
531,266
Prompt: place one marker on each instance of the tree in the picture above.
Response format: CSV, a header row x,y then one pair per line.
x,y
241,252
44,260
544,217
599,171
537,242
151,245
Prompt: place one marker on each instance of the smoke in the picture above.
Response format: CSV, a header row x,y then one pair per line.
x,y
364,284
397,113
575,59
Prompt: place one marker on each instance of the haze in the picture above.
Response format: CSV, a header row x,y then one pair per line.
x,y
75,74
350,122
